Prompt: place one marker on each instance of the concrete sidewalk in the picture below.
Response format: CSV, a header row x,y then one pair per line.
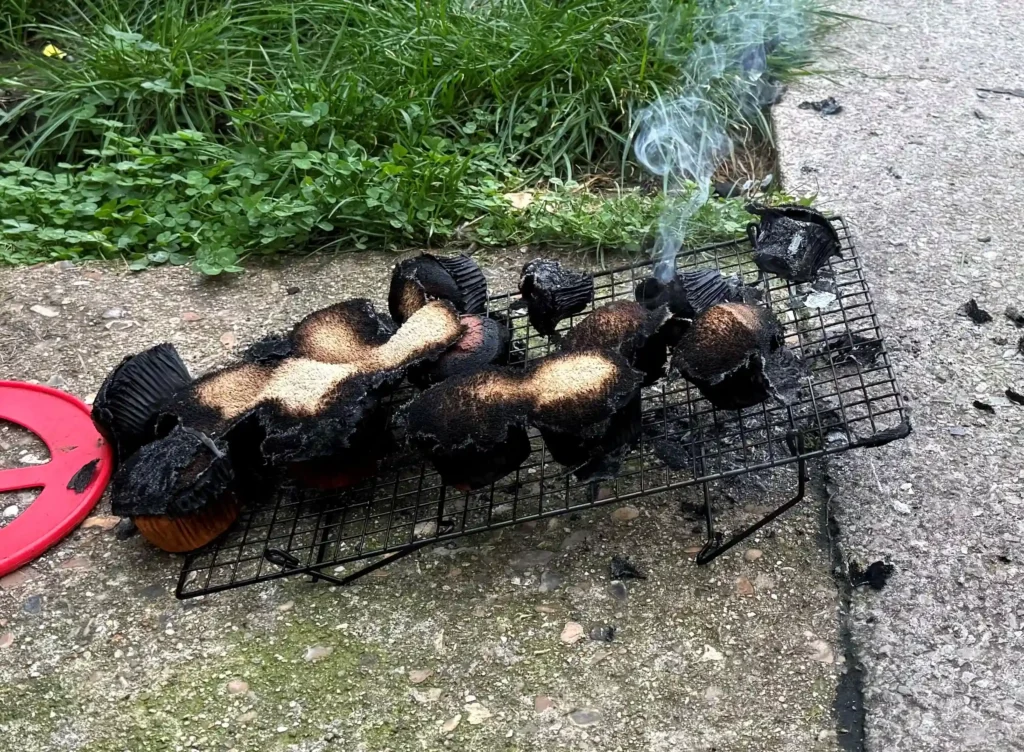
x,y
927,169
457,647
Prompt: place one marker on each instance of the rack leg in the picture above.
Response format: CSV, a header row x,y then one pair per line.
x,y
714,538
325,540
713,548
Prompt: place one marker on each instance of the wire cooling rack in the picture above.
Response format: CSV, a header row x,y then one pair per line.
x,y
850,399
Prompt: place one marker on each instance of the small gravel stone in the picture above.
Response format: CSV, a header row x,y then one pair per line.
x,y
248,717
821,651
618,591
549,581
11,511
426,696
572,633
317,653
532,559
584,717
286,606
575,539
477,713
125,529
237,687
45,311
103,522
452,723
152,592
710,654
763,582
743,587
33,604
191,316
113,313
76,562
119,325
6,640
603,633
293,290
228,340
542,703
713,693
625,514
426,529
420,675
752,554
56,381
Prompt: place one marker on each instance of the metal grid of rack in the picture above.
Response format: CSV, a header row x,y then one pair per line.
x,y
850,399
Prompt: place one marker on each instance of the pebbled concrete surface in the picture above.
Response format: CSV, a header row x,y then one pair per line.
x,y
927,170
457,647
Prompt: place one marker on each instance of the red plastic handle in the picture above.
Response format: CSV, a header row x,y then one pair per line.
x,y
64,425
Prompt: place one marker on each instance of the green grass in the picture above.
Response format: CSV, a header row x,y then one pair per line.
x,y
215,129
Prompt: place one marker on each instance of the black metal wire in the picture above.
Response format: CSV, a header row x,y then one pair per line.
x,y
851,395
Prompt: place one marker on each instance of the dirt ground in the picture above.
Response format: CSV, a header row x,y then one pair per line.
x,y
457,647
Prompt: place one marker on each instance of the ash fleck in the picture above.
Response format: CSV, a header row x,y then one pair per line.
x,y
876,574
81,480
820,300
125,529
1014,315
623,569
1015,396
827,106
603,633
984,407
975,313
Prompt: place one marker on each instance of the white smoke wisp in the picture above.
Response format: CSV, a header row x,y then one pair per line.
x,y
683,139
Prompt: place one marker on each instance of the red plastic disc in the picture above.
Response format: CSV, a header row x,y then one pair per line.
x,y
64,425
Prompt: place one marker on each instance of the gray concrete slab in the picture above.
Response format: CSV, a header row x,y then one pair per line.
x,y
927,169
457,647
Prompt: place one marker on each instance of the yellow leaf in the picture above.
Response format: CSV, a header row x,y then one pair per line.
x,y
519,200
52,50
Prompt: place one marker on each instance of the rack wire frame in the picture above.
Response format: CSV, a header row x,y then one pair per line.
x,y
851,398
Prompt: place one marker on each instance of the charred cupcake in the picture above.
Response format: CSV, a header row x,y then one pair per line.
x,y
278,410
552,293
587,407
178,490
418,280
628,328
734,354
794,242
345,332
484,342
473,427
315,404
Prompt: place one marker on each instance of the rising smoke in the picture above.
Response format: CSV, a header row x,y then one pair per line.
x,y
684,138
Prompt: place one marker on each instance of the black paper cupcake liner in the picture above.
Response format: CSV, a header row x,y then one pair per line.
x,y
128,402
552,293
